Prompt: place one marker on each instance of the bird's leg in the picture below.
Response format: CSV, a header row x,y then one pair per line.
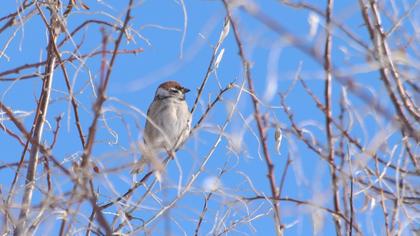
x,y
170,153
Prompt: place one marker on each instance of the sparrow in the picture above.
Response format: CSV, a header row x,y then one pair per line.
x,y
168,123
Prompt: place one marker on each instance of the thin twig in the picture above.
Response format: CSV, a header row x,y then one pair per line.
x,y
97,107
258,118
345,80
302,202
328,111
39,122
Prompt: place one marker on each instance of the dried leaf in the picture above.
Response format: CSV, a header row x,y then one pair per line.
x,y
158,176
372,203
313,20
84,6
223,34
211,184
226,29
218,59
317,220
278,136
367,200
138,166
96,169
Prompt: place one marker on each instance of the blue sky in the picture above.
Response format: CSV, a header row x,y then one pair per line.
x,y
158,28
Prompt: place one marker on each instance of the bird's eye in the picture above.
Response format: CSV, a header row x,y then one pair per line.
x,y
174,90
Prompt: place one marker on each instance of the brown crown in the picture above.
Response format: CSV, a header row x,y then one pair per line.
x,y
173,84
170,84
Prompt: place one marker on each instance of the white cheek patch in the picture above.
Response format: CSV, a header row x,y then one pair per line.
x,y
162,92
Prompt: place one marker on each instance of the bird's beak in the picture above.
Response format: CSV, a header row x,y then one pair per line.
x,y
185,90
